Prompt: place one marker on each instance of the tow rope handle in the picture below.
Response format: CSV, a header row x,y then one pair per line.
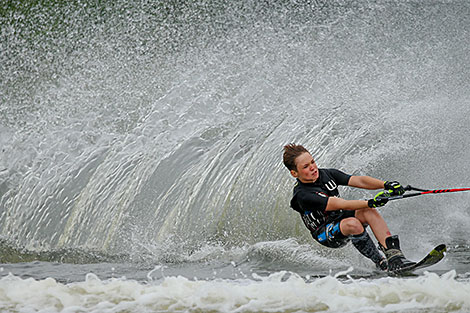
x,y
424,192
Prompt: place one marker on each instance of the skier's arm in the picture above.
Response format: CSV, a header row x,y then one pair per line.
x,y
366,182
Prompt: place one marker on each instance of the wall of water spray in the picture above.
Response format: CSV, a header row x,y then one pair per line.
x,y
124,123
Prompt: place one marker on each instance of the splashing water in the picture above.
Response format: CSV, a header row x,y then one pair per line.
x,y
154,132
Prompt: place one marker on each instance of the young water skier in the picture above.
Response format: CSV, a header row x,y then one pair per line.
x,y
333,221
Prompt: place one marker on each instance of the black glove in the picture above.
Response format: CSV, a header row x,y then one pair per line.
x,y
380,199
394,188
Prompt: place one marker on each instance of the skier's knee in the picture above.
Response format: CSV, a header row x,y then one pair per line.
x,y
351,226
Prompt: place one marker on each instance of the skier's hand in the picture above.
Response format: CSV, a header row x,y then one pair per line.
x,y
379,200
394,188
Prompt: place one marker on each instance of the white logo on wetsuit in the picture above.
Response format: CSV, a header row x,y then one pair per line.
x,y
331,185
329,231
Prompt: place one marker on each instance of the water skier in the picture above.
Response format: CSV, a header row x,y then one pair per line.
x,y
333,221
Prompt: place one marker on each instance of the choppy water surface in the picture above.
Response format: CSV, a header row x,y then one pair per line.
x,y
141,143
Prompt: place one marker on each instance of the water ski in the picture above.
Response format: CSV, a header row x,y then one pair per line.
x,y
431,258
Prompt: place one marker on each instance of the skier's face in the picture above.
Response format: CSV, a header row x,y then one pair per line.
x,y
306,168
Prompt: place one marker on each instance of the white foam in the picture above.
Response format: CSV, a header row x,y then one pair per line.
x,y
280,291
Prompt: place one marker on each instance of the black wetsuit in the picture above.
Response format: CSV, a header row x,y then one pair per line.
x,y
310,200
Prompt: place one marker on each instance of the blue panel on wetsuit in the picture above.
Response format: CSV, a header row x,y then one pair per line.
x,y
321,237
330,231
336,229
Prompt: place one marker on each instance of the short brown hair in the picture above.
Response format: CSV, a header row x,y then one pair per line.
x,y
291,152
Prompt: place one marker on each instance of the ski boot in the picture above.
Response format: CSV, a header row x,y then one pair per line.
x,y
395,258
382,265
